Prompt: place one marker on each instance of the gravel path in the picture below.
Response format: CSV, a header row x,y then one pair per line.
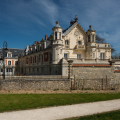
x,y
61,112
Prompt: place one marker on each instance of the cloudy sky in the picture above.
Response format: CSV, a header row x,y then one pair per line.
x,y
24,21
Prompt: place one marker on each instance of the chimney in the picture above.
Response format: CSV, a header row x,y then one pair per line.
x,y
46,37
35,42
71,22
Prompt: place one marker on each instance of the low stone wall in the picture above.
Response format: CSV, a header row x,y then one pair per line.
x,y
92,72
43,84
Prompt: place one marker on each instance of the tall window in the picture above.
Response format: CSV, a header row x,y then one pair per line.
x,y
92,38
59,35
65,55
55,35
33,59
66,42
9,62
88,38
9,69
93,55
42,58
102,55
78,56
37,59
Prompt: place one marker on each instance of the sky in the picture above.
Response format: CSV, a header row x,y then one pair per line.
x,y
24,21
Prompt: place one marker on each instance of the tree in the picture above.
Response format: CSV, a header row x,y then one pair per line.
x,y
102,40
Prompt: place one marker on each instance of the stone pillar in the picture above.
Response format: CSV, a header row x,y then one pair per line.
x,y
70,72
112,63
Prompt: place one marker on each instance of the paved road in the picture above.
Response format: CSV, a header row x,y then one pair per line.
x,y
60,112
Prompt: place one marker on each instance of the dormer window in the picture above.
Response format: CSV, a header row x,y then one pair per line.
x,y
55,35
88,38
66,42
9,55
79,42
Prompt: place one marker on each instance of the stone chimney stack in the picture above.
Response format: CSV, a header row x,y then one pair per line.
x,y
46,37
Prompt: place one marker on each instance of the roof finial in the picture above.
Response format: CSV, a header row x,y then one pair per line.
x,y
57,22
76,18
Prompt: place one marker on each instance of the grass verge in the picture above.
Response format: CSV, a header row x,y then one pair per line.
x,y
114,115
11,102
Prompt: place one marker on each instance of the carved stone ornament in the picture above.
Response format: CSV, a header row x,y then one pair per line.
x,y
76,33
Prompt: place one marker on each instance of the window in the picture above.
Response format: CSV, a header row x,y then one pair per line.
x,y
16,62
37,69
9,69
66,42
50,56
59,35
65,55
55,35
102,55
33,59
9,55
78,56
16,70
88,38
9,62
42,46
33,69
29,70
79,42
37,59
1,70
92,38
117,68
93,55
42,58
60,51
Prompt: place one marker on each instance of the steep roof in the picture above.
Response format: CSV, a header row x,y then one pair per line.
x,y
71,27
15,52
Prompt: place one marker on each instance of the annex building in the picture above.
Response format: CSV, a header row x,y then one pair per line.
x,y
50,56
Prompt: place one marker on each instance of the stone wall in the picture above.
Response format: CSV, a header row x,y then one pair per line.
x,y
117,78
92,72
43,84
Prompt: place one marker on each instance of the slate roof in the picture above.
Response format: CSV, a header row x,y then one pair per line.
x,y
15,52
68,29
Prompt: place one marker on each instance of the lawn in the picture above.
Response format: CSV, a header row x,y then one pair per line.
x,y
11,102
114,115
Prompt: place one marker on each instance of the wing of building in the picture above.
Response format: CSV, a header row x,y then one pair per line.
x,y
11,61
51,55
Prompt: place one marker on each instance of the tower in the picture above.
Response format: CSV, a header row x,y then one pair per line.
x,y
91,44
56,43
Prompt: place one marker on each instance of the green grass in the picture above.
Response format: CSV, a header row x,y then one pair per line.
x,y
114,115
10,102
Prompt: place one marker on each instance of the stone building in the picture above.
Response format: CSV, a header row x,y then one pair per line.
x,y
11,61
51,55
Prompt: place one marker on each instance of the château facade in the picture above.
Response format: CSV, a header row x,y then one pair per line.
x,y
51,55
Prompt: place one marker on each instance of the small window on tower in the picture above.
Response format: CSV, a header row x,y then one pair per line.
x,y
92,38
88,38
55,35
59,35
